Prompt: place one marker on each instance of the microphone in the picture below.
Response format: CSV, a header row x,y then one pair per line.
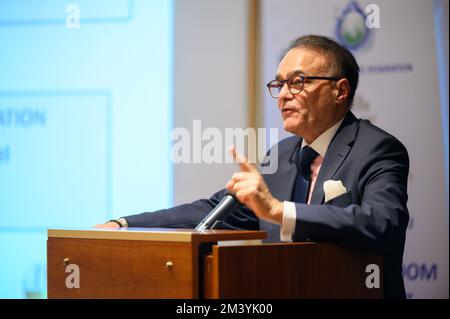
x,y
226,206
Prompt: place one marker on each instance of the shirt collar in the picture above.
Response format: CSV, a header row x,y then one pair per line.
x,y
320,144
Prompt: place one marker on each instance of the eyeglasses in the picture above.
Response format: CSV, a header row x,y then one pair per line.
x,y
295,84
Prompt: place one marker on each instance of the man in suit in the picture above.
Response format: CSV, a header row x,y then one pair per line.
x,y
363,165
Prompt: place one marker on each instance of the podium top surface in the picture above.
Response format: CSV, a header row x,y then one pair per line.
x,y
157,234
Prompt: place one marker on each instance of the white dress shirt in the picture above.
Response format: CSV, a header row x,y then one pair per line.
x,y
320,145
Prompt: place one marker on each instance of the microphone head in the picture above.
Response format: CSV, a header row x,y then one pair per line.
x,y
225,207
232,195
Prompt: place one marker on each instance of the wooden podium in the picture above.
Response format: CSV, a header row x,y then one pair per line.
x,y
174,263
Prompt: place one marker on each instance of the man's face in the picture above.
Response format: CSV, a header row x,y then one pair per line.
x,y
313,110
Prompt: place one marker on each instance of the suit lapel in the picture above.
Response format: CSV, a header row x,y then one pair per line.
x,y
281,183
336,153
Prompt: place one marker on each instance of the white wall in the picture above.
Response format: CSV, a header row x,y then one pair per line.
x,y
210,83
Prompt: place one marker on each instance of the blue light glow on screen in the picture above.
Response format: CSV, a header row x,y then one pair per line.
x,y
85,116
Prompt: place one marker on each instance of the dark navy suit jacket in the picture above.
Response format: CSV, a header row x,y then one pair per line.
x,y
372,216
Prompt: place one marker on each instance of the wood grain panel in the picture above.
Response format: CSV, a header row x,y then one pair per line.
x,y
121,269
295,270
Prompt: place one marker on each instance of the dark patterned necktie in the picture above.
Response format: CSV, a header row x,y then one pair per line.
x,y
301,187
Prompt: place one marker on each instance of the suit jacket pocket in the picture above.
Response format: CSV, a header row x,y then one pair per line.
x,y
342,200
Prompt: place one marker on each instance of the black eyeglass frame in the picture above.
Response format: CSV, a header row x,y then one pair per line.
x,y
303,77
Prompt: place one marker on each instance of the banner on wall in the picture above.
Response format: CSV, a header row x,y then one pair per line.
x,y
398,91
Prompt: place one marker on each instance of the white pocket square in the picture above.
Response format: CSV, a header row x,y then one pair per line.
x,y
333,189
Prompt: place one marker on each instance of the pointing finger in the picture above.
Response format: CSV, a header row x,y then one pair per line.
x,y
241,160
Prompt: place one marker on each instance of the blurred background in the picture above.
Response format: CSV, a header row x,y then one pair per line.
x,y
90,92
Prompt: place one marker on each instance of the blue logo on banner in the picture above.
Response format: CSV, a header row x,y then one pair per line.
x,y
351,30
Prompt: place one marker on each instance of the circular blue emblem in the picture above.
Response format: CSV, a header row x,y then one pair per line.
x,y
351,30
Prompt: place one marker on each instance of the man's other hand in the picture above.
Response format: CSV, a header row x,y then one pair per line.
x,y
110,225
